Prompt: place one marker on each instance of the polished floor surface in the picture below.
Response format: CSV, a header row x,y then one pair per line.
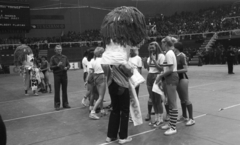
x,y
32,120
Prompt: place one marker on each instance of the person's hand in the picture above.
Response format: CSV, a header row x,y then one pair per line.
x,y
159,78
65,68
60,63
85,84
152,57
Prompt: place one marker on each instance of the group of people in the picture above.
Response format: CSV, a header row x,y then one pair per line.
x,y
167,68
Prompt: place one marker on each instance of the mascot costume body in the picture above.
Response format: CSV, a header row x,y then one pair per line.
x,y
24,59
122,29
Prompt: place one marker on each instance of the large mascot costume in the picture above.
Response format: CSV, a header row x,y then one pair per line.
x,y
122,29
24,59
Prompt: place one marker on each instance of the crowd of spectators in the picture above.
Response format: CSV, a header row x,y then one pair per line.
x,y
205,20
218,55
71,36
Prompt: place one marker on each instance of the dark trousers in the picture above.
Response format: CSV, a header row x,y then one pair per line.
x,y
118,121
137,90
60,81
230,66
3,134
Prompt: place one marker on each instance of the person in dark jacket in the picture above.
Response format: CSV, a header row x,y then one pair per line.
x,y
59,64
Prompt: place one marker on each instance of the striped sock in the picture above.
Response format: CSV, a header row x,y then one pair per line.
x,y
173,117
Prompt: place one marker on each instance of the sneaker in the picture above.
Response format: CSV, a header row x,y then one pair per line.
x,y
35,94
103,112
84,101
26,94
167,118
166,126
157,124
108,139
123,141
181,118
170,131
93,116
57,108
190,122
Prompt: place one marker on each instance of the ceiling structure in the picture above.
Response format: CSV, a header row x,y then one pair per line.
x,y
148,7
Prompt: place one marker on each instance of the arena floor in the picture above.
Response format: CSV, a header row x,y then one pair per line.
x,y
32,120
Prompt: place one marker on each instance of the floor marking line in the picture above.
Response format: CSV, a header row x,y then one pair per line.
x,y
149,130
79,107
30,116
34,97
221,109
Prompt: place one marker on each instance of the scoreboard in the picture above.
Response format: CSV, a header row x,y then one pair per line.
x,y
14,16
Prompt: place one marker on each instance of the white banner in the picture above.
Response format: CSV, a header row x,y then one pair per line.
x,y
74,65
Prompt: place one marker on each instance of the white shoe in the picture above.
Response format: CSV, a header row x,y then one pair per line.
x,y
94,116
181,118
166,126
190,122
123,141
167,118
108,139
170,131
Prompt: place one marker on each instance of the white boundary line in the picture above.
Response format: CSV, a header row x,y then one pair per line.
x,y
52,112
81,107
228,107
150,130
34,97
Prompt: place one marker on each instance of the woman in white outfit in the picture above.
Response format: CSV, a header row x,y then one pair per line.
x,y
99,81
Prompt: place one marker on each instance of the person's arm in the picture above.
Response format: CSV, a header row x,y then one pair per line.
x,y
83,64
67,64
53,64
140,65
160,68
184,63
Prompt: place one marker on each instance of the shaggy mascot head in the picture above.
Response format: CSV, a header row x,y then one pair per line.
x,y
22,54
121,29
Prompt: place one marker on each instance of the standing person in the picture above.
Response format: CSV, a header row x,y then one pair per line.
x,y
136,62
122,28
45,68
171,80
182,87
85,74
59,64
230,60
156,57
99,81
85,64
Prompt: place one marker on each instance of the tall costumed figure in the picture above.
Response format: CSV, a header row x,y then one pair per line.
x,y
122,29
24,60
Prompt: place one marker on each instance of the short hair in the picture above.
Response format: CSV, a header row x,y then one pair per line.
x,y
178,46
98,51
58,46
169,40
124,25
